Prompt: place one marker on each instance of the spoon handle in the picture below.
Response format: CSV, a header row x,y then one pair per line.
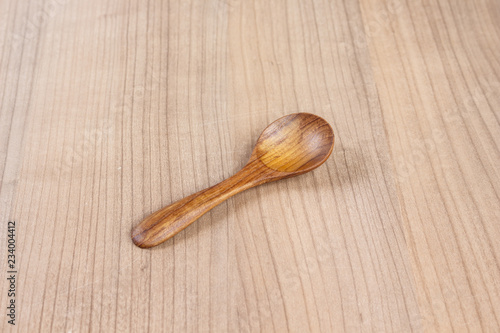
x,y
168,221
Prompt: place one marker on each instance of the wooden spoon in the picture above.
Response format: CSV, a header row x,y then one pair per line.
x,y
290,146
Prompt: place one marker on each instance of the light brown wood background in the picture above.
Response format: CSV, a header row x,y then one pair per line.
x,y
110,110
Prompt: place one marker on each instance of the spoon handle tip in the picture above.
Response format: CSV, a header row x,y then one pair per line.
x,y
168,221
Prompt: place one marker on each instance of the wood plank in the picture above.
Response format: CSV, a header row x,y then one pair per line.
x,y
437,77
112,110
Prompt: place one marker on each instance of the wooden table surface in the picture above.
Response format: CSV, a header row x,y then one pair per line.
x,y
110,110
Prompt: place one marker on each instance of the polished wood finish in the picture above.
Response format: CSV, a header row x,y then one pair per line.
x,y
290,146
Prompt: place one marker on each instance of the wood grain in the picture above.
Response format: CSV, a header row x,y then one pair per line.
x,y
444,137
110,110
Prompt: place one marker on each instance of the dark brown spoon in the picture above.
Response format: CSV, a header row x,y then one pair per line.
x,y
288,147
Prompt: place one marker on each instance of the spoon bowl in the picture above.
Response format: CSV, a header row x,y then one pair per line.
x,y
290,146
296,143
